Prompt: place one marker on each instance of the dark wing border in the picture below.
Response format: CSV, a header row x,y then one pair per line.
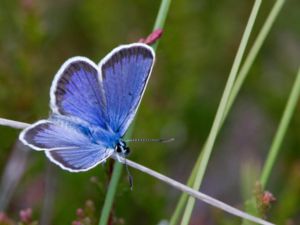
x,y
109,56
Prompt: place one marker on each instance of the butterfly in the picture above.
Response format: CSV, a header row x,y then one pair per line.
x,y
92,107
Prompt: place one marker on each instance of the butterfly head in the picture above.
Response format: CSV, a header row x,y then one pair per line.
x,y
121,148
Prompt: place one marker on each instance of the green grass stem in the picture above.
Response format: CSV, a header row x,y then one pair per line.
x,y
281,131
117,171
241,77
111,191
249,60
221,112
161,18
184,197
250,204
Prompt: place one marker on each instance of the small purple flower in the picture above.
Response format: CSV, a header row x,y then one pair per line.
x,y
26,215
153,37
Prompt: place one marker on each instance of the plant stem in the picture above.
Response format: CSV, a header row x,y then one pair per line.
x,y
221,111
161,18
281,131
159,23
111,191
261,37
176,184
192,192
183,198
241,77
13,123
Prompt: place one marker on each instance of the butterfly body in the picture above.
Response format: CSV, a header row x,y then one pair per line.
x,y
92,108
106,138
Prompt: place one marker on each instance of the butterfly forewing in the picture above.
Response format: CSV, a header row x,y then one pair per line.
x,y
76,91
125,73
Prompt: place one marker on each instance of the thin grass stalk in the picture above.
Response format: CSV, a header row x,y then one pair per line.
x,y
281,131
221,111
250,204
242,75
116,174
109,198
13,124
173,183
249,60
161,18
184,197
111,190
196,194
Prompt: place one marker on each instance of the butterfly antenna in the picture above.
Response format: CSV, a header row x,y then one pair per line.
x,y
163,140
130,178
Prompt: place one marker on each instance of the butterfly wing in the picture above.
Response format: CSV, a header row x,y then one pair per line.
x,y
125,73
68,145
77,91
109,100
79,159
105,98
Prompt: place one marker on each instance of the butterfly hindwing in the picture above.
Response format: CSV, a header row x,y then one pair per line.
x,y
125,73
79,159
77,91
66,144
46,134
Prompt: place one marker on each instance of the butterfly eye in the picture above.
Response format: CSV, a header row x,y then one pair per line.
x,y
122,148
118,148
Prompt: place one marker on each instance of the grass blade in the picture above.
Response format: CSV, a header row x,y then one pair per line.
x,y
281,131
221,111
112,188
249,60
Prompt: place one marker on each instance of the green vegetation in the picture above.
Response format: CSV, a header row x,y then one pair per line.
x,y
194,58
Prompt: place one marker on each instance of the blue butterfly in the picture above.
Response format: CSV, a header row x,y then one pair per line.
x,y
92,108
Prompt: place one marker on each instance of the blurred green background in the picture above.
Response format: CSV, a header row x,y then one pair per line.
x,y
194,58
